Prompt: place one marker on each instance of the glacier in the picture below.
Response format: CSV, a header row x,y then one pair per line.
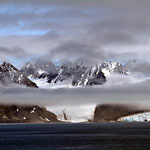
x,y
141,117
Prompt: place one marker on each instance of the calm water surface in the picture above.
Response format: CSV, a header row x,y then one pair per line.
x,y
100,136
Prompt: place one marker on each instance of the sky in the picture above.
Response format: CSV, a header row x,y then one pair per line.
x,y
59,30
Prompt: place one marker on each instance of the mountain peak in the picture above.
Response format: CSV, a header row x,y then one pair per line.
x,y
10,74
38,69
4,63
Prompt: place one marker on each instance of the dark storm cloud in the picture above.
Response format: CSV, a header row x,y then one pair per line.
x,y
16,51
94,3
93,27
50,35
72,51
12,53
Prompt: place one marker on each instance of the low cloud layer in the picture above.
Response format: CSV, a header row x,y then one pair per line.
x,y
13,52
127,93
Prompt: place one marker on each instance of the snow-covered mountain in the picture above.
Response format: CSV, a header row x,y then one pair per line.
x,y
79,74
113,67
92,76
9,75
40,69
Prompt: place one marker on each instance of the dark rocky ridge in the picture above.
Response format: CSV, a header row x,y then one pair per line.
x,y
111,112
11,75
26,114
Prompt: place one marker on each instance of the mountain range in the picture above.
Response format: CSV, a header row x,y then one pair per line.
x,y
78,74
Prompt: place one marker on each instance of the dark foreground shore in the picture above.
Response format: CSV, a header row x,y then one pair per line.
x,y
87,136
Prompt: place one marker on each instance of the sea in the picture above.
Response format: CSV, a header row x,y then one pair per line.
x,y
75,136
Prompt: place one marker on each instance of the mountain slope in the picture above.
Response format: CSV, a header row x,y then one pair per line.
x,y
26,114
11,75
112,112
92,76
40,69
